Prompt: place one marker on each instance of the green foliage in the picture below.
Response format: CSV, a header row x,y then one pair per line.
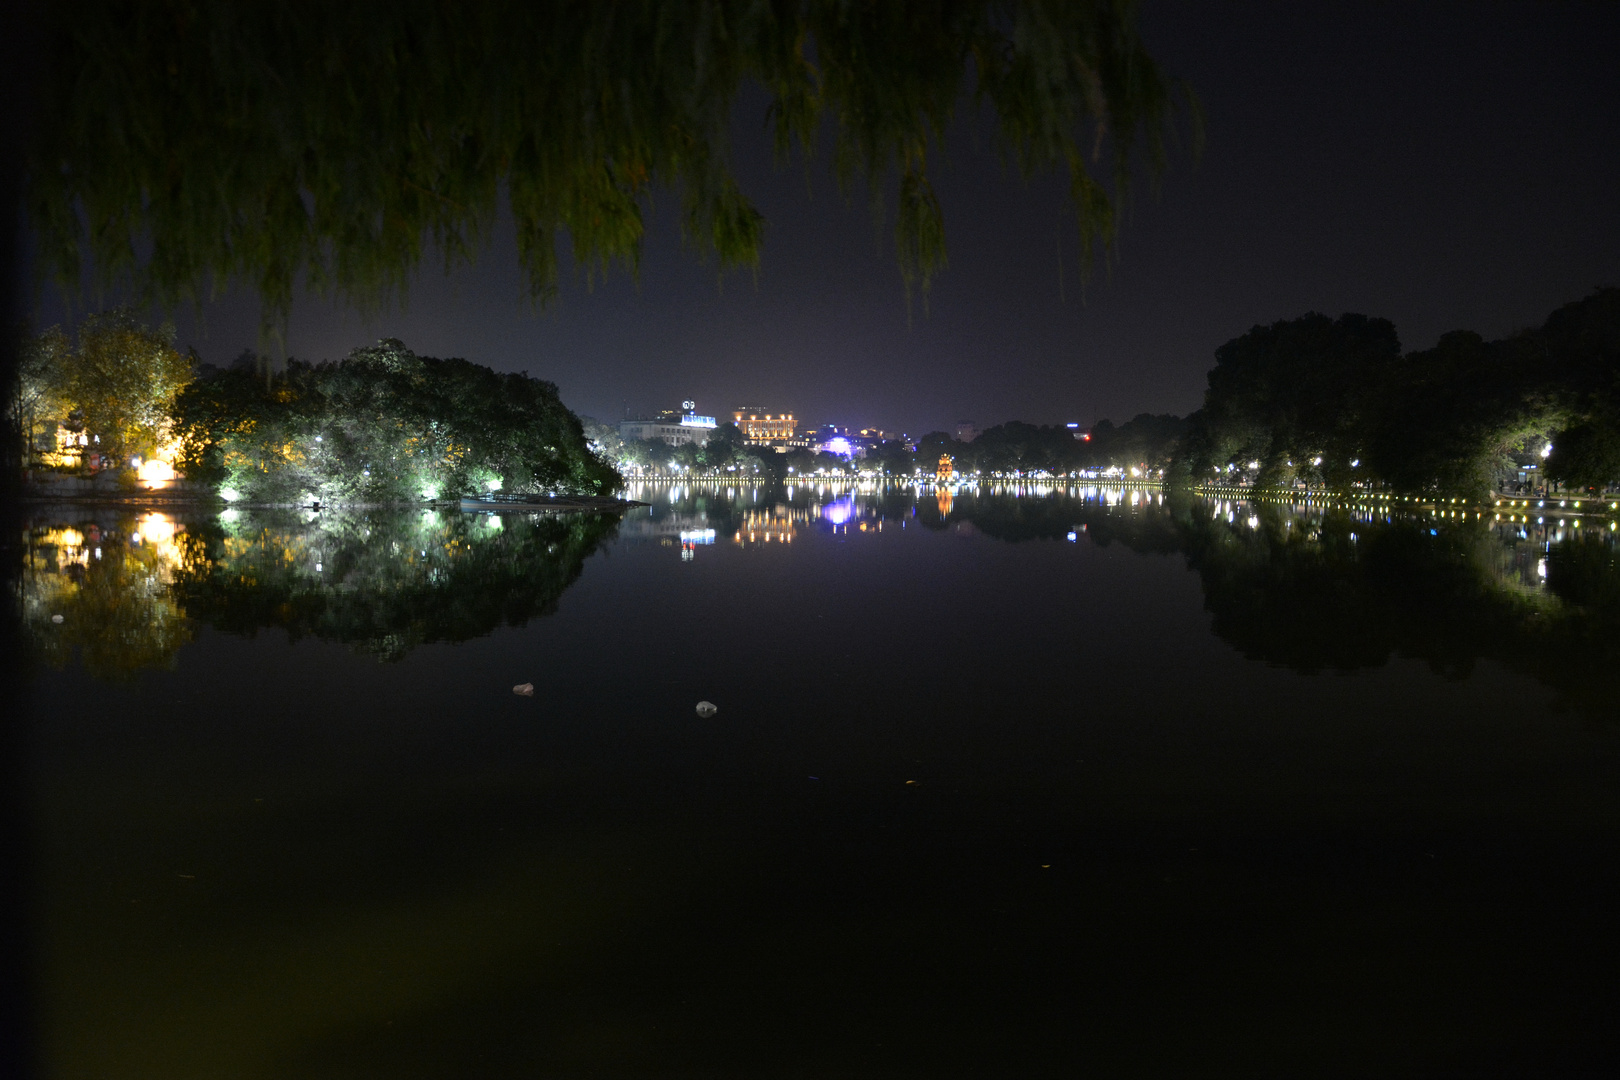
x,y
384,425
118,382
1145,442
1457,417
1286,395
270,142
1587,455
38,395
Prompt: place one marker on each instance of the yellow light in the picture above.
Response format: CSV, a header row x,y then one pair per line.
x,y
155,471
157,529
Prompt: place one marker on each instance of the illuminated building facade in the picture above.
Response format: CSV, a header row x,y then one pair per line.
x,y
763,428
671,425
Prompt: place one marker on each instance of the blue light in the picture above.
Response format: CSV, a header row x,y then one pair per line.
x,y
839,511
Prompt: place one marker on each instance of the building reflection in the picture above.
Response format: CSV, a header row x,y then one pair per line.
x,y
1310,583
775,524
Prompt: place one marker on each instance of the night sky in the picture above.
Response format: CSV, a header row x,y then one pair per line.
x,y
1441,166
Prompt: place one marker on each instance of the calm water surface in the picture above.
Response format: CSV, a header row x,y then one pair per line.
x,y
1003,783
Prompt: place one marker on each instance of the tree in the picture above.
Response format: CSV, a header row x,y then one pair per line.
x,y
120,381
891,458
1295,397
1146,441
385,425
1586,456
332,142
38,396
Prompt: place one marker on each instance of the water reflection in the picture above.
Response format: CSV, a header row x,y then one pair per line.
x,y
102,589
1309,585
125,591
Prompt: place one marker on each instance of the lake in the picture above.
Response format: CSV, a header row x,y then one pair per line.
x,y
1004,781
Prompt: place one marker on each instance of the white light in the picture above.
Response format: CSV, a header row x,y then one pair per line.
x,y
229,494
1546,451
493,485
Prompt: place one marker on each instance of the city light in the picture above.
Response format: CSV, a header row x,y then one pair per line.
x,y
839,511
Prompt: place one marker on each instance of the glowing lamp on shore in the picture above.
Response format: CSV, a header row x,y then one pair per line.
x,y
155,471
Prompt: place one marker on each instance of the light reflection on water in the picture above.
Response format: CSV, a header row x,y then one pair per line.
x,y
992,789
124,591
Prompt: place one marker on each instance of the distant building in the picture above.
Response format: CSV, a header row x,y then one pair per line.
x,y
673,426
762,427
965,431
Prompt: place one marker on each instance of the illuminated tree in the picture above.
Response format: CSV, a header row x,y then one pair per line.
x,y
274,141
384,425
120,381
37,397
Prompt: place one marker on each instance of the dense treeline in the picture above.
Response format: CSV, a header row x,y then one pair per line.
x,y
1336,403
382,425
1144,444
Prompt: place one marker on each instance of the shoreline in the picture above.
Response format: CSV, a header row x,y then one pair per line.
x,y
199,501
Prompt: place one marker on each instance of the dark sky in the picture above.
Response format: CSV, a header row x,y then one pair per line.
x,y
1441,166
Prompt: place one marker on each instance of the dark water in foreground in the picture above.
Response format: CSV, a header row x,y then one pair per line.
x,y
1000,785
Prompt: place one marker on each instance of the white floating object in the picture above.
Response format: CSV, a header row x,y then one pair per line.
x,y
524,688
706,709
56,618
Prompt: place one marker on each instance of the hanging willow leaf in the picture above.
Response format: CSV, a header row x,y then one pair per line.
x,y
184,145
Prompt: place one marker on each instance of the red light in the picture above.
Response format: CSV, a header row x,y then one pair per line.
x,y
1086,437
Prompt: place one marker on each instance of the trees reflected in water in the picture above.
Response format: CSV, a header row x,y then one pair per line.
x,y
125,592
1307,588
1318,590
